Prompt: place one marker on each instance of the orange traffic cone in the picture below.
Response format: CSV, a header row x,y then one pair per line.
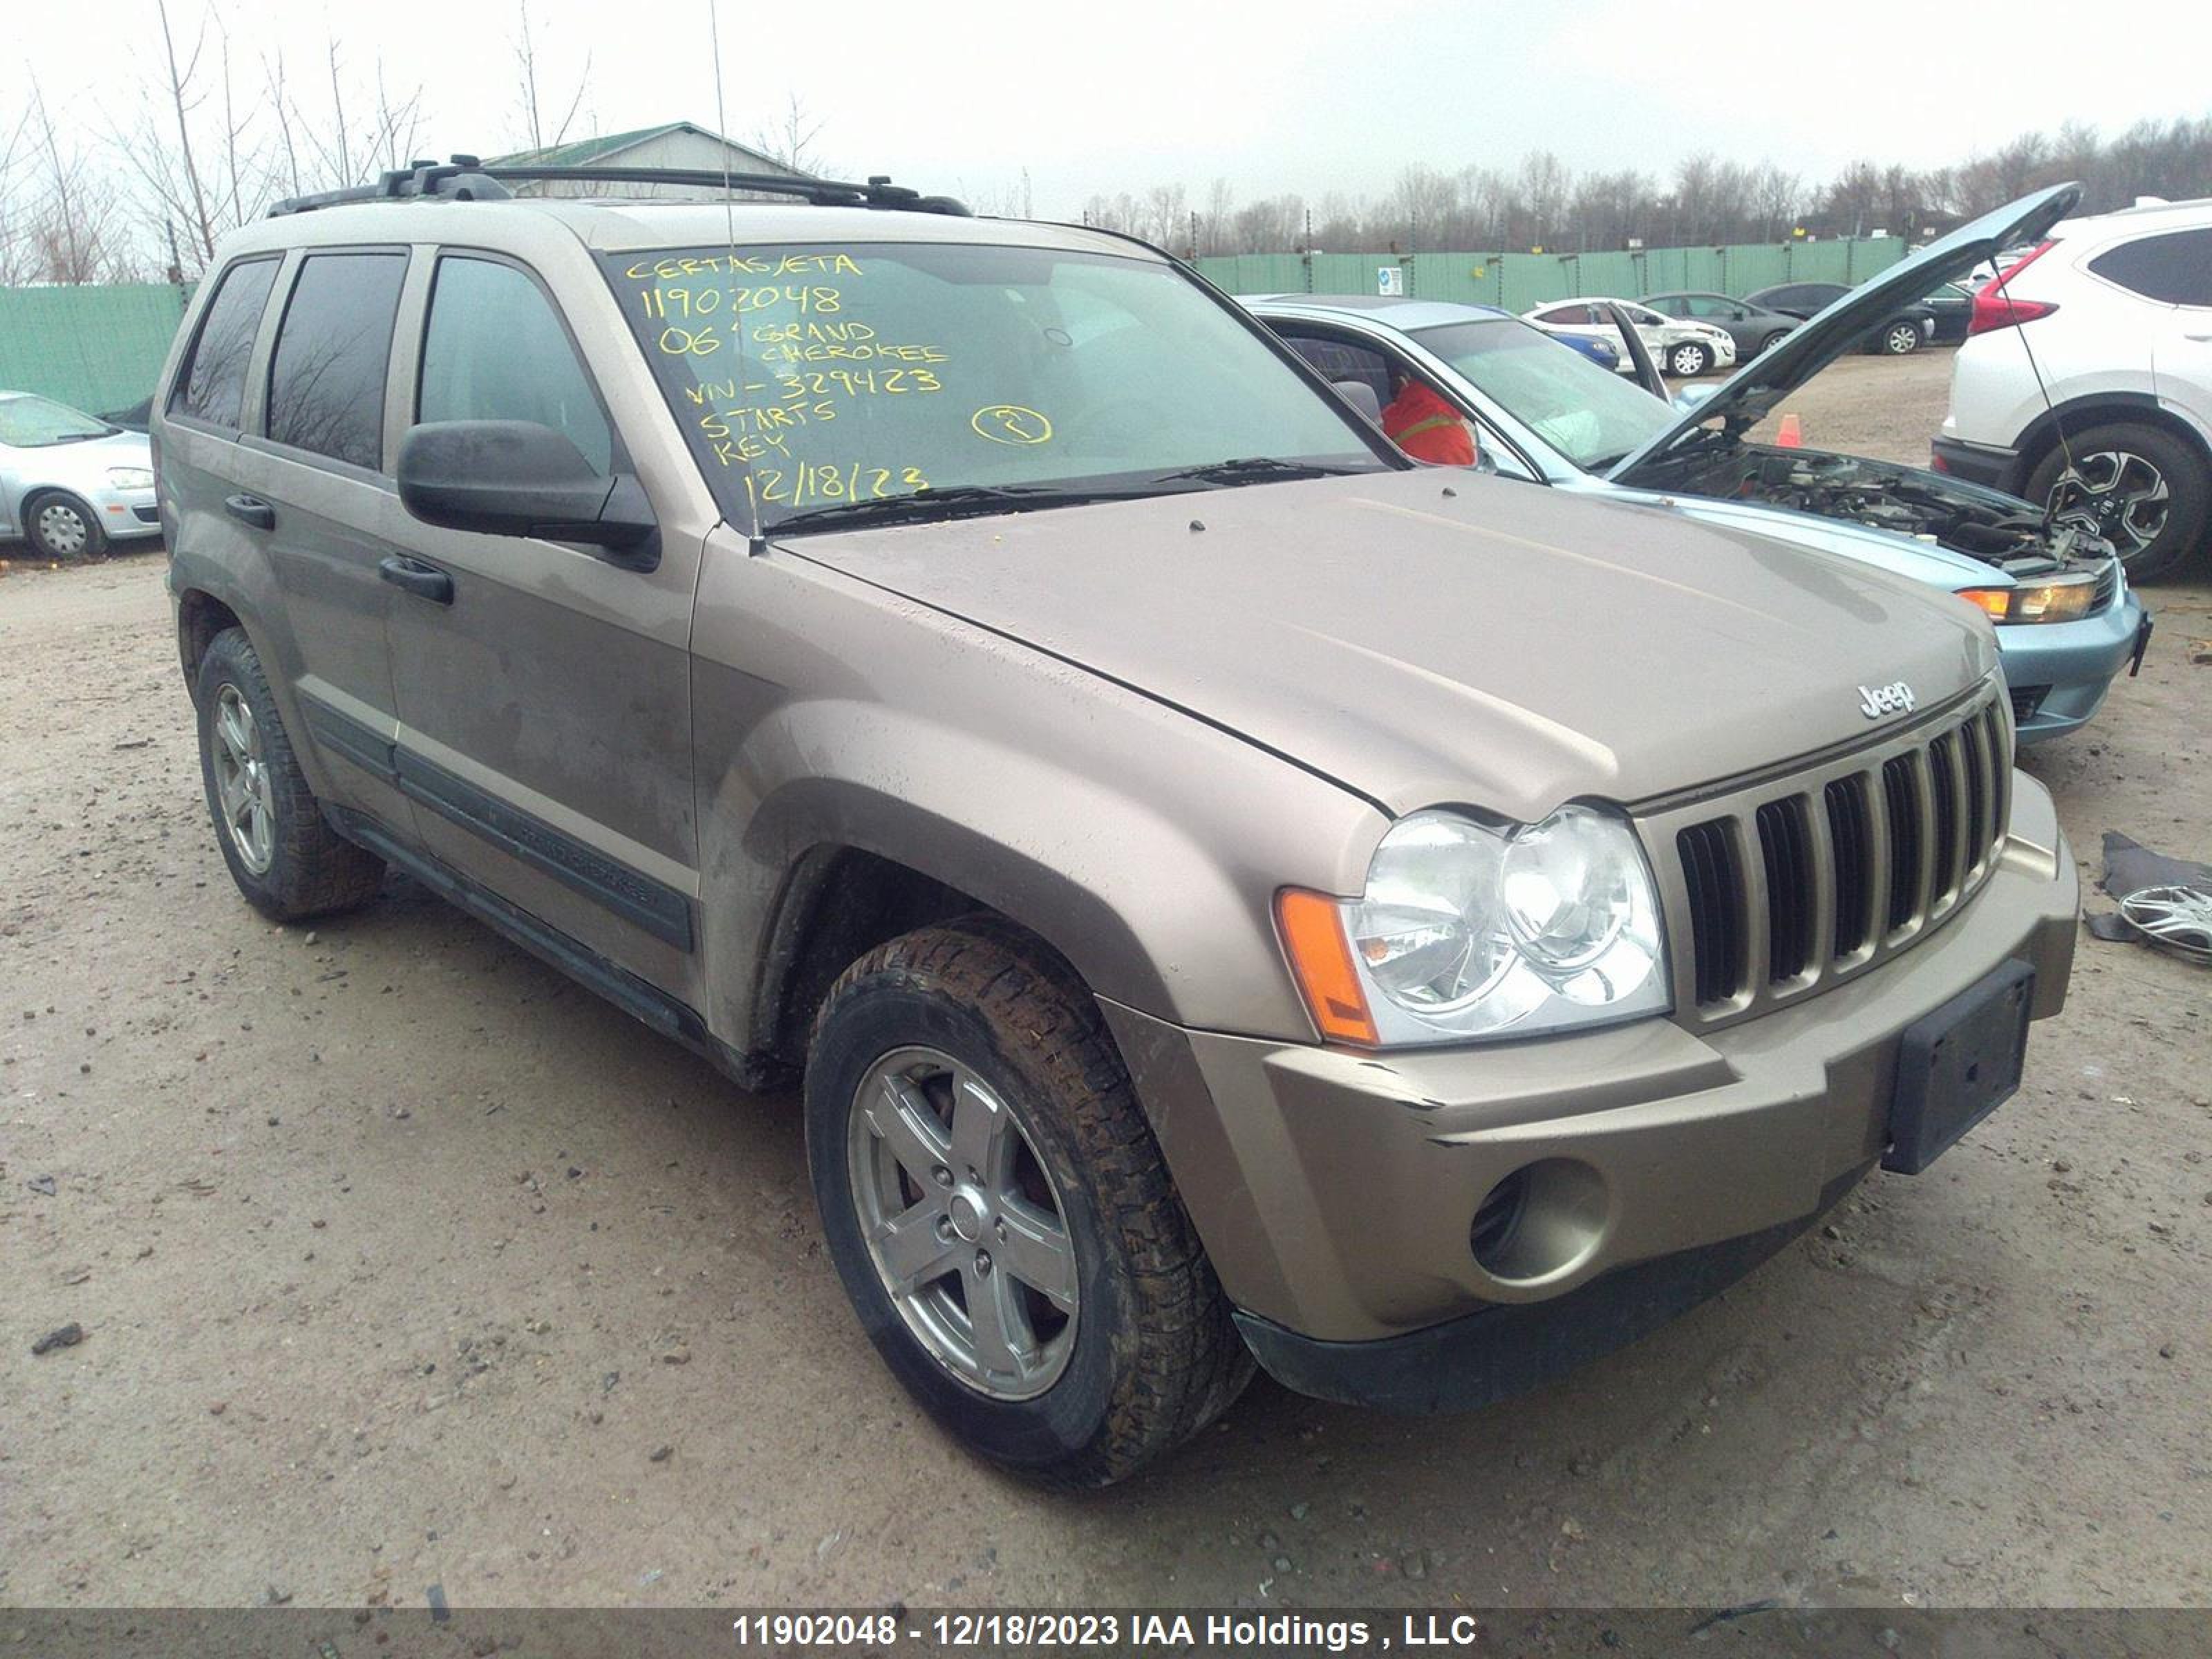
x,y
1790,434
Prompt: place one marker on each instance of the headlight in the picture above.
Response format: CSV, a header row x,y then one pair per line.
x,y
1464,931
130,477
2063,599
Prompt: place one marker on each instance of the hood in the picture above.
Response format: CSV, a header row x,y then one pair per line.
x,y
1425,638
94,456
1746,397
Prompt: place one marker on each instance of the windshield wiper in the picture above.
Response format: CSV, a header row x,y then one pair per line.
x,y
1254,469
954,501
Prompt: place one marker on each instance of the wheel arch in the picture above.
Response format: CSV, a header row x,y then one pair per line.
x,y
200,617
2077,415
869,867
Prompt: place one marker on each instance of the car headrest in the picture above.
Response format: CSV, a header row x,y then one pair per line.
x,y
1361,396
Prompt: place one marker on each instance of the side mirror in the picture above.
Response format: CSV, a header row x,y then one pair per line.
x,y
519,478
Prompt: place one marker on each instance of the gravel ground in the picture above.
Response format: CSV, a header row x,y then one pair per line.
x,y
399,1261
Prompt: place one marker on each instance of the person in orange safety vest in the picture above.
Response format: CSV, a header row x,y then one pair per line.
x,y
1426,427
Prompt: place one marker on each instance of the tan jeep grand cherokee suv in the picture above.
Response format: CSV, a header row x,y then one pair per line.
x,y
1231,894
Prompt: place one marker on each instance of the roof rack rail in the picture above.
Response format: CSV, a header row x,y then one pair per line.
x,y
466,178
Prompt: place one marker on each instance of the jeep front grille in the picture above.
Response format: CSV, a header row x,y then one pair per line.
x,y
1781,888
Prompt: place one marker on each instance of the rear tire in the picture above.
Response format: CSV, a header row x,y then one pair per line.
x,y
1137,1353
61,528
1772,341
286,860
2145,490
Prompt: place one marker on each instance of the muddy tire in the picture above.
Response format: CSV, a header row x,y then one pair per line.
x,y
1059,1315
286,860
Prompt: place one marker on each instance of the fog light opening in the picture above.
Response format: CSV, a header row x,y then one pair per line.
x,y
1540,1221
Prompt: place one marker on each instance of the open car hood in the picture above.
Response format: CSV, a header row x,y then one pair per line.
x,y
1746,397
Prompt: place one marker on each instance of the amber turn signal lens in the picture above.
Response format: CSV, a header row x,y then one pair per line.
x,y
1997,601
1320,960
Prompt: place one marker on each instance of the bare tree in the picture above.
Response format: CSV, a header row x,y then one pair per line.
x,y
67,233
539,132
1215,222
792,138
1775,196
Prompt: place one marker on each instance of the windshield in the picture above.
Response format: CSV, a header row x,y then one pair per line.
x,y
813,379
1590,415
40,422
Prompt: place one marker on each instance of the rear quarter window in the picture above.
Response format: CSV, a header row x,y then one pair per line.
x,y
327,377
210,386
2174,270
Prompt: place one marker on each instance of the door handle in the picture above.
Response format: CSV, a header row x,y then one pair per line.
x,y
424,581
251,509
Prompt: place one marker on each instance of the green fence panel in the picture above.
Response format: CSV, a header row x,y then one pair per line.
x,y
1752,268
1520,281
94,349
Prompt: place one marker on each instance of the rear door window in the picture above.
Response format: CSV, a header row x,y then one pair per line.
x,y
495,350
326,378
212,385
2175,269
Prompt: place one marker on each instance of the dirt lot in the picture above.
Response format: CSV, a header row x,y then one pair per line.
x,y
400,1260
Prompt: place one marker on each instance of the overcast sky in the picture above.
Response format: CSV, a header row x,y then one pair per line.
x,y
1286,97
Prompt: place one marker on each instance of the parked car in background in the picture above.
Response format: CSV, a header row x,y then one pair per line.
x,y
70,482
1953,306
1600,352
2067,622
1685,349
2101,335
1753,328
1909,325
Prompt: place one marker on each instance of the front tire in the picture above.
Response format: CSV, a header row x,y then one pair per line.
x,y
1688,361
999,1213
1900,338
2143,489
61,528
287,862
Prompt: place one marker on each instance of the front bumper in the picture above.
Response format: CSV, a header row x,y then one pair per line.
x,y
124,513
1335,1189
2059,673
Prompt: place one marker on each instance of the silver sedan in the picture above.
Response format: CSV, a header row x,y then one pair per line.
x,y
71,484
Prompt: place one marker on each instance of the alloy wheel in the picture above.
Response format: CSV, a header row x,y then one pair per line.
x,y
1903,337
241,778
965,1229
2113,494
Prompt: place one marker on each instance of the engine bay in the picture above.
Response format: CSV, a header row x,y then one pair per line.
x,y
1903,501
